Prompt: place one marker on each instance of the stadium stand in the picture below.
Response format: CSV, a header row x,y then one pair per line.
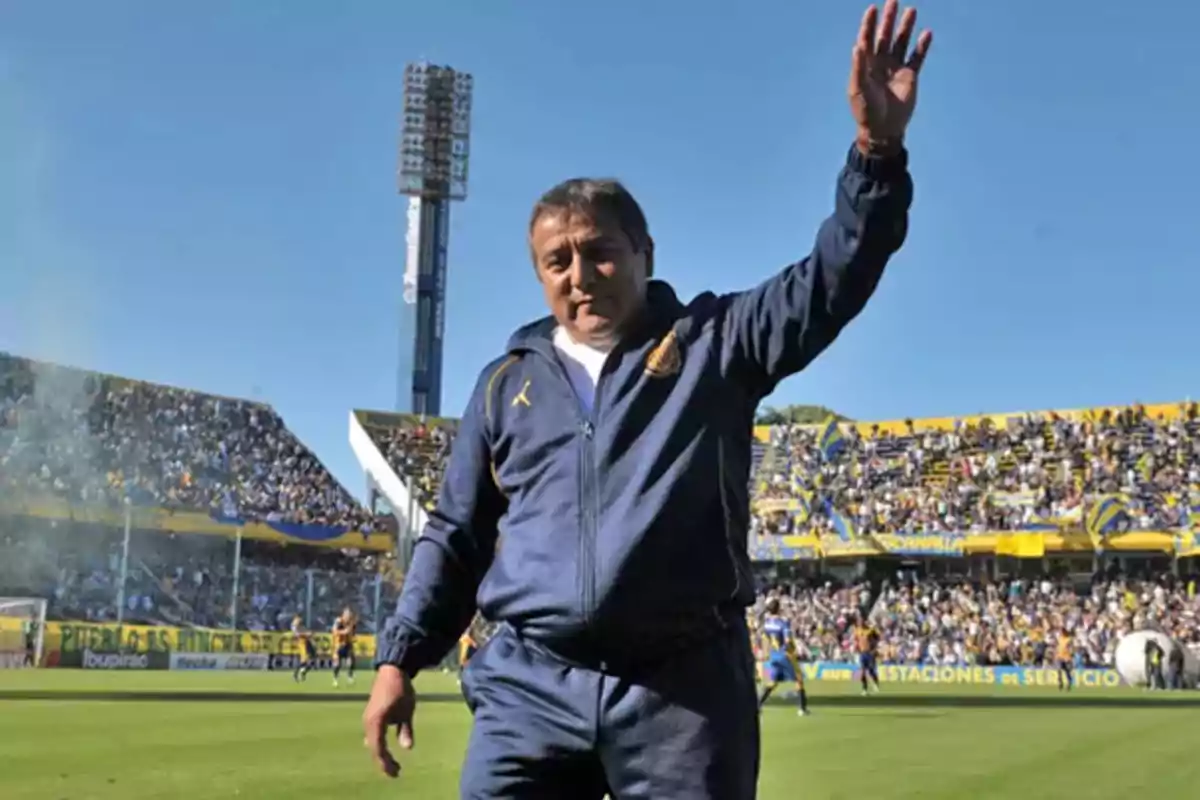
x,y
965,541
206,485
1094,473
1004,623
415,448
989,473
972,539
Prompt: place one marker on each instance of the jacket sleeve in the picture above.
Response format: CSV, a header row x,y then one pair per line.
x,y
454,552
779,327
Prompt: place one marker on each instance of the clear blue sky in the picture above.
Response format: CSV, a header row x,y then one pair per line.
x,y
202,194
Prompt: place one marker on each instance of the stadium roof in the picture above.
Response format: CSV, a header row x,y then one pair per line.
x,y
126,379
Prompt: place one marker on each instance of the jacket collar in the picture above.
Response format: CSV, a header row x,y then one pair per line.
x,y
662,309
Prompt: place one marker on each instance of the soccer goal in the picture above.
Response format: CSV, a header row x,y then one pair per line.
x,y
22,630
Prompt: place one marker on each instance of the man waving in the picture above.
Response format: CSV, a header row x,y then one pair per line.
x,y
595,503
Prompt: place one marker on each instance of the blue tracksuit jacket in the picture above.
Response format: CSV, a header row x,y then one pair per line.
x,y
602,532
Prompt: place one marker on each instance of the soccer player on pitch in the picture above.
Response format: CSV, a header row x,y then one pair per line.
x,y
305,646
866,641
779,657
608,450
344,629
1064,655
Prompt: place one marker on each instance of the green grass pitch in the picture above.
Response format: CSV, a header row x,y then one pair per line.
x,y
77,735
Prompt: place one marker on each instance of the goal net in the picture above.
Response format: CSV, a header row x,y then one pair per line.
x,y
22,630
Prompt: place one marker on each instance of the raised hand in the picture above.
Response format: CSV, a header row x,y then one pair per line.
x,y
883,77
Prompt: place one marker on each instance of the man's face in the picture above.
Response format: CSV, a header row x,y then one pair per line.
x,y
594,280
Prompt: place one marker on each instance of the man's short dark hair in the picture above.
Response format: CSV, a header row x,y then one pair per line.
x,y
597,198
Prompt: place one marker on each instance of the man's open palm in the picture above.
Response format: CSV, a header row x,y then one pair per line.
x,y
883,75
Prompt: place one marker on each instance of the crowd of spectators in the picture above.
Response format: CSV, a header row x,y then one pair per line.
x,y
1015,622
982,476
91,438
98,439
417,450
186,580
822,616
979,475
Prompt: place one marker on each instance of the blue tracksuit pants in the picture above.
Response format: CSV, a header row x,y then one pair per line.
x,y
683,728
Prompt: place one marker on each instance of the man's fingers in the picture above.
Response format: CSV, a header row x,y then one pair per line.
x,y
866,31
383,757
887,27
375,739
858,69
924,42
406,735
908,22
387,764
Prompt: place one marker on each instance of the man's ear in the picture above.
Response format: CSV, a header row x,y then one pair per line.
x,y
649,258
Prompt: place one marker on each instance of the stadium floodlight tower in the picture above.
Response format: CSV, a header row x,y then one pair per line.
x,y
435,146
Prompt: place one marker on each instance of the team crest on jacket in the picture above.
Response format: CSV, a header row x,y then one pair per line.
x,y
665,359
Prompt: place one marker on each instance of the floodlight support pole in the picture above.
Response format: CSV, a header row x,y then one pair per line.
x,y
432,170
237,574
124,562
308,598
378,601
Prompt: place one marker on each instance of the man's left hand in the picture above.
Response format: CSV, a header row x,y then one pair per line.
x,y
883,77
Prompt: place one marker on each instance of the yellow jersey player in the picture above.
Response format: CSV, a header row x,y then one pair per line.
x,y
866,642
1064,655
304,646
779,657
343,645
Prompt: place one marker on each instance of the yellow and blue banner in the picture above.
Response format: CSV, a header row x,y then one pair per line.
x,y
1105,514
784,548
843,524
921,544
803,511
962,676
831,441
1015,544
797,479
837,547
169,521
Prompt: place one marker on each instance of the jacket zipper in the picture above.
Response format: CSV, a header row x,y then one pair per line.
x,y
588,492
589,487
